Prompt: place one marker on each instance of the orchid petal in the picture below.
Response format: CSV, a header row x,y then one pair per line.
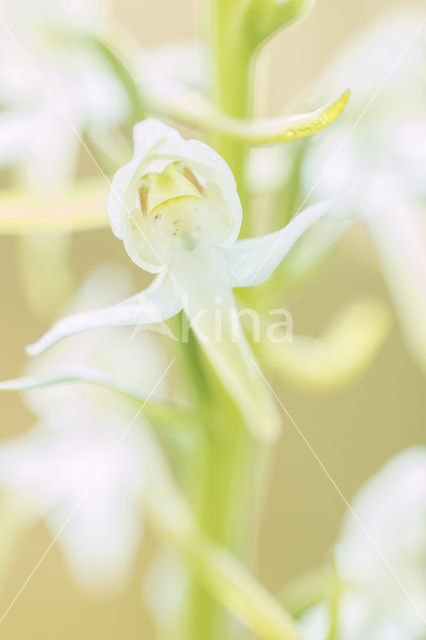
x,y
252,260
153,137
145,139
157,303
202,280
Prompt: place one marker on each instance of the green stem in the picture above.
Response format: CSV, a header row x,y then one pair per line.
x,y
216,485
231,84
289,198
221,513
219,571
224,488
225,484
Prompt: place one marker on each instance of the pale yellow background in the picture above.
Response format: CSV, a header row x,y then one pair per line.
x,y
353,431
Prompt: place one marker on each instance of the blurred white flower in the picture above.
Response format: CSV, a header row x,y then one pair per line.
x,y
375,154
74,468
171,69
53,86
176,207
65,472
375,603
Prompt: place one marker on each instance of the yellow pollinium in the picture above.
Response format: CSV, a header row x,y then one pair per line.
x,y
175,182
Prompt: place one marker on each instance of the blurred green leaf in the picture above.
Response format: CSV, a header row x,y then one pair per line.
x,y
221,572
122,74
82,207
337,357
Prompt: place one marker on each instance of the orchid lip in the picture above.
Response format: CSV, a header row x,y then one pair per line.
x,y
175,210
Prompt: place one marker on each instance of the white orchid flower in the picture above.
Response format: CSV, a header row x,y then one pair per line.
x,y
379,601
176,208
376,154
57,472
74,468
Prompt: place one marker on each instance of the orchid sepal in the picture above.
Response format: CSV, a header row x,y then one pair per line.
x,y
157,303
252,260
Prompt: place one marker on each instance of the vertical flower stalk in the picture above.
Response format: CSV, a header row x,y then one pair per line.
x,y
231,83
231,78
232,52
